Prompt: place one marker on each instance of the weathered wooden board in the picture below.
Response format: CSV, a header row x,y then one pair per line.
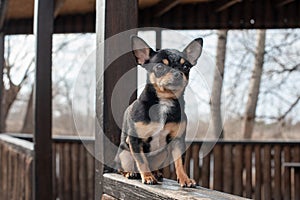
x,y
122,188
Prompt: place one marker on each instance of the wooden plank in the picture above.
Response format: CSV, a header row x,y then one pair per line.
x,y
43,29
296,159
9,175
187,162
248,166
54,168
195,156
29,178
164,6
173,174
218,168
167,172
206,171
60,181
2,163
277,172
227,5
228,169
287,174
15,177
23,175
168,189
2,43
82,173
238,170
74,169
258,172
67,171
267,182
90,175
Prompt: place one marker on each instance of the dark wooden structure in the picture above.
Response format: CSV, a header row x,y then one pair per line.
x,y
252,169
79,16
46,17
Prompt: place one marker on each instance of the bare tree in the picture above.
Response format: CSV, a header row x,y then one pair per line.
x,y
28,119
249,116
215,104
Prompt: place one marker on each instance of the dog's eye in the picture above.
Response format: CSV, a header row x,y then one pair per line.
x,y
159,67
185,67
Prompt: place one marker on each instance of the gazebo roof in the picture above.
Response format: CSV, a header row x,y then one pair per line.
x,y
79,16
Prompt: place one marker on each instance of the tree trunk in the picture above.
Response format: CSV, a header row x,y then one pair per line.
x,y
215,104
28,120
249,117
9,96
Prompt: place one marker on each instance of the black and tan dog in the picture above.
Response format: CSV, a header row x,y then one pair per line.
x,y
154,125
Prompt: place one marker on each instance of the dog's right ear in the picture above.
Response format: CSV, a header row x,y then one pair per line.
x,y
140,49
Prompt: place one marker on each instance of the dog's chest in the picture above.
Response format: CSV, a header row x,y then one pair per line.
x,y
159,131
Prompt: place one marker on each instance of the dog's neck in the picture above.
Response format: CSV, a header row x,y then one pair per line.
x,y
149,96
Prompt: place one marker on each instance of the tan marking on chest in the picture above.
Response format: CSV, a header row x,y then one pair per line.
x,y
145,130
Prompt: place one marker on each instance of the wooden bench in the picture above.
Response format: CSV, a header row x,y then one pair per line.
x,y
116,186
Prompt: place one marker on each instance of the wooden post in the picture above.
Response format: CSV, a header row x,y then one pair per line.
x,y
1,75
100,25
113,17
158,36
43,30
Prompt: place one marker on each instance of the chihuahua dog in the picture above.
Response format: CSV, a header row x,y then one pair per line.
x,y
154,125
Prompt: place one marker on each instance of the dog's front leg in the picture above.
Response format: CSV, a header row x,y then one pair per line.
x,y
136,148
178,152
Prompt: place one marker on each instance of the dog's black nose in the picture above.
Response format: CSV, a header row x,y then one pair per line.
x,y
177,75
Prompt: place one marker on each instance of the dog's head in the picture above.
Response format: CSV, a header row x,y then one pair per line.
x,y
168,69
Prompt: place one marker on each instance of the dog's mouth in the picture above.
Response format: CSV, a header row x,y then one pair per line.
x,y
168,86
172,83
172,86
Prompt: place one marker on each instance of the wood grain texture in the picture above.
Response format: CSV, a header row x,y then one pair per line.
x,y
119,187
16,158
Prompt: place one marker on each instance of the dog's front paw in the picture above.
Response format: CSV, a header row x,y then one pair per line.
x,y
148,178
185,181
131,175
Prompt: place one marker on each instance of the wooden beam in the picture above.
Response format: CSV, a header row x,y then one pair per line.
x,y
227,5
2,61
99,166
164,6
43,29
285,2
120,187
58,5
3,9
112,19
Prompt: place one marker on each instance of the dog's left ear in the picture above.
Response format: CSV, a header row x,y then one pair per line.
x,y
141,49
194,50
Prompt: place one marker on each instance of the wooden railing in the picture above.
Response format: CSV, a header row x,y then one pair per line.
x,y
251,169
16,157
73,169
